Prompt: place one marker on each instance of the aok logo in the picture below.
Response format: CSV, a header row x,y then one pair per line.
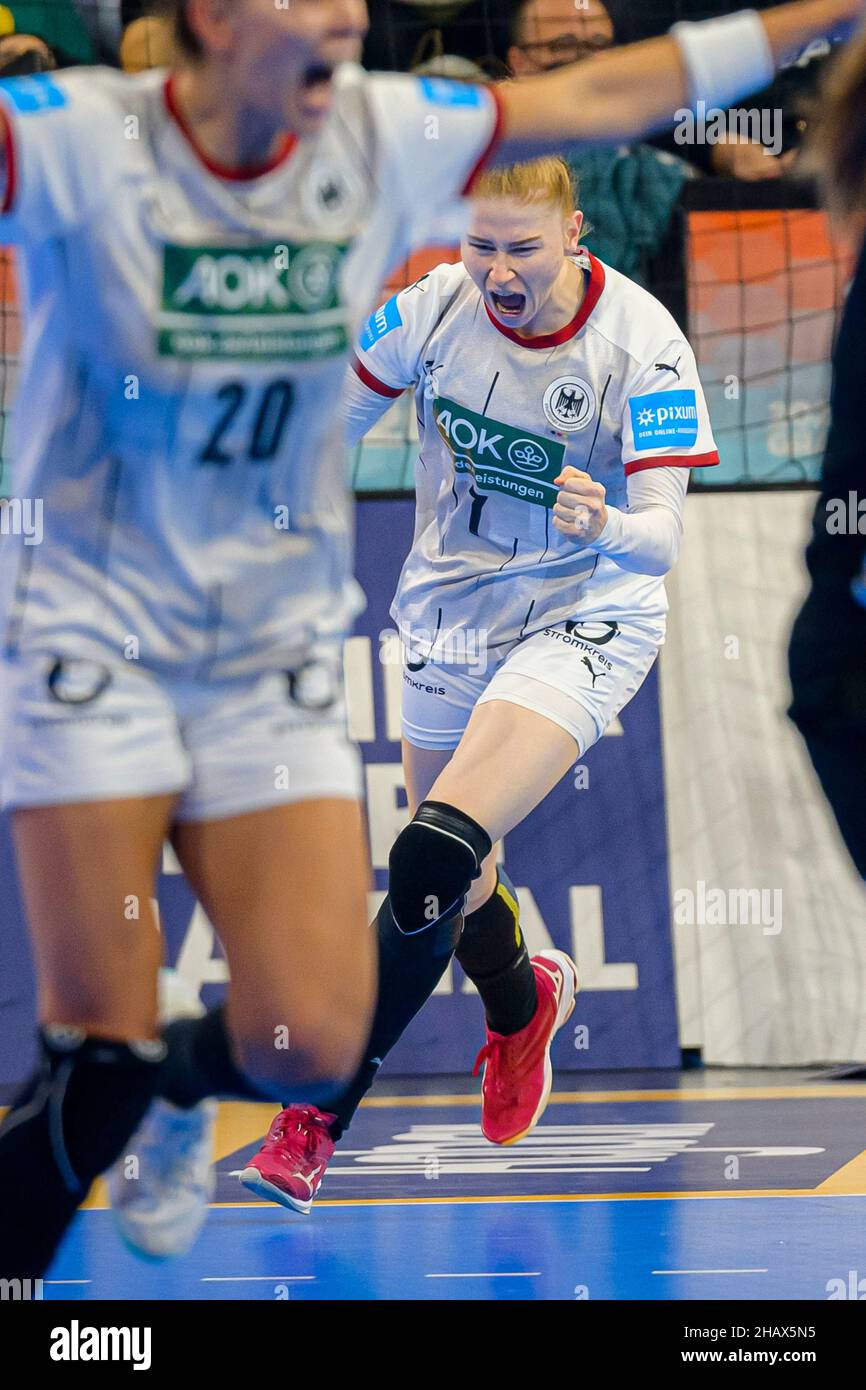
x,y
469,438
500,457
527,456
233,283
264,280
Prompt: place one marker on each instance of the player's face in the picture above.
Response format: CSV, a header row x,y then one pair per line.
x,y
516,254
284,55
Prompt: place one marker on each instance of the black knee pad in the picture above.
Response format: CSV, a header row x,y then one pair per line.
x,y
88,1097
69,1123
432,863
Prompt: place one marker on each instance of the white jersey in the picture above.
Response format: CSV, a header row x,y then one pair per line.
x,y
499,416
187,329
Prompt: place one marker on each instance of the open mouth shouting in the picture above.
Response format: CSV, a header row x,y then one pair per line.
x,y
316,85
508,306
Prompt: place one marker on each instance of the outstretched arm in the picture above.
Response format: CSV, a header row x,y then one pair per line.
x,y
5,172
631,91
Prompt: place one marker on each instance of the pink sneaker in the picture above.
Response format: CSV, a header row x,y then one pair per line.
x,y
517,1072
291,1163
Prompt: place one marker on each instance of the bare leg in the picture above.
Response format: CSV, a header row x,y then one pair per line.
x,y
286,890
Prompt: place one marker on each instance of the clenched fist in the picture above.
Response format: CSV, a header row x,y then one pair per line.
x,y
579,509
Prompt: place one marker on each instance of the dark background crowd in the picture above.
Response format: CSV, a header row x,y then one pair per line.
x,y
629,194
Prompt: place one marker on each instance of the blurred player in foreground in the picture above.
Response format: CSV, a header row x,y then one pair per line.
x,y
828,644
199,251
559,412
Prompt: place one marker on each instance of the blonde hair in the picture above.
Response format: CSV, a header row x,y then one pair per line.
x,y
548,180
837,150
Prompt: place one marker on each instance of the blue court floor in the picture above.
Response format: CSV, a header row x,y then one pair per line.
x,y
705,1186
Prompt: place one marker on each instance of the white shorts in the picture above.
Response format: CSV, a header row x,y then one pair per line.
x,y
77,731
577,674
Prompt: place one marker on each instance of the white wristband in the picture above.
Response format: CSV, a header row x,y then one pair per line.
x,y
725,58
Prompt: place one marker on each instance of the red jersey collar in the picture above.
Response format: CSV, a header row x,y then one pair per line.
x,y
592,294
236,173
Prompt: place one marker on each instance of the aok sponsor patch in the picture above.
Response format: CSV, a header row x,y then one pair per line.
x,y
253,302
500,458
664,418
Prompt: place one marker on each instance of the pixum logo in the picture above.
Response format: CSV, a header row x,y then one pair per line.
x,y
709,125
666,414
77,1343
22,516
720,907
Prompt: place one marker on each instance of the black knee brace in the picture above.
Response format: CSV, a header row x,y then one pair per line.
x,y
432,863
66,1127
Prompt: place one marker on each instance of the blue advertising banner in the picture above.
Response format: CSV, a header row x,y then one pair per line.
x,y
590,865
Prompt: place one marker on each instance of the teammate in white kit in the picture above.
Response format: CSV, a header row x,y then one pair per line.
x,y
559,414
197,255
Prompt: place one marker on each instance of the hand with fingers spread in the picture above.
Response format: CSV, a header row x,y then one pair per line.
x,y
579,509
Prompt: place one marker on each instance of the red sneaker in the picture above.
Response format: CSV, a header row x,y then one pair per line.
x,y
517,1072
291,1163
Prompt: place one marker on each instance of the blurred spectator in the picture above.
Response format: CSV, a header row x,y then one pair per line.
x,y
629,193
103,22
107,21
403,35
58,24
548,34
147,42
21,54
449,65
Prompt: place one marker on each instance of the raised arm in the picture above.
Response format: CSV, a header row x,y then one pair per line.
x,y
5,146
631,91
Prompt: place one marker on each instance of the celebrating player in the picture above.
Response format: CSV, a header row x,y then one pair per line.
x,y
198,253
559,413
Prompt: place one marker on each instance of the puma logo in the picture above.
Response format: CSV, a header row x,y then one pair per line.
x,y
308,1180
666,367
585,661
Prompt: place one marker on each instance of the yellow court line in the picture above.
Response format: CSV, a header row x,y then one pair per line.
x,y
552,1197
98,1202
850,1178
240,1123
854,1090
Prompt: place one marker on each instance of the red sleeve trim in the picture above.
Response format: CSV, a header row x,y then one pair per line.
x,y
373,381
11,164
672,461
493,142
